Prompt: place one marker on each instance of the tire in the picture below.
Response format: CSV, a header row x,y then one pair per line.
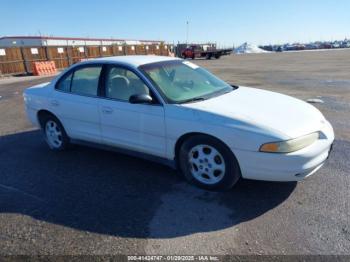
x,y
54,133
208,163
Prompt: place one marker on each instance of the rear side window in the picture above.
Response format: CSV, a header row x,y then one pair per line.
x,y
85,81
64,83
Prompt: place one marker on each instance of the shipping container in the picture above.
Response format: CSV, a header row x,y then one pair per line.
x,y
59,55
11,61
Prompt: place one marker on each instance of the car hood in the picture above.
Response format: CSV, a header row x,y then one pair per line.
x,y
273,112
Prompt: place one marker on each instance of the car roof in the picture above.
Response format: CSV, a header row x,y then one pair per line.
x,y
135,60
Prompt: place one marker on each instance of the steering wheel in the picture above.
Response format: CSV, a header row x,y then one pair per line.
x,y
185,85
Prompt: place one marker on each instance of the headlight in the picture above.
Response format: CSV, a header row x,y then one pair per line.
x,y
290,145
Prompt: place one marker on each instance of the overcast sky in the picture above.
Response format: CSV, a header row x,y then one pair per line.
x,y
226,22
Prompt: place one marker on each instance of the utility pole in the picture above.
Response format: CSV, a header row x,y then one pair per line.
x,y
187,28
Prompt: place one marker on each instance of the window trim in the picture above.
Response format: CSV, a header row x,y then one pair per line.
x,y
154,95
72,72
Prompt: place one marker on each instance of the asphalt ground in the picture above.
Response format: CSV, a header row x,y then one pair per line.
x,y
90,201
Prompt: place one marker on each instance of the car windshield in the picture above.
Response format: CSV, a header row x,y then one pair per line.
x,y
182,81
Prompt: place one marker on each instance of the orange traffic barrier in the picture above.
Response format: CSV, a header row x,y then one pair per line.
x,y
44,68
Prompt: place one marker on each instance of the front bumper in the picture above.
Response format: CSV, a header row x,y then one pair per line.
x,y
293,166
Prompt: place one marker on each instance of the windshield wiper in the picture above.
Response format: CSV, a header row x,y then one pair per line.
x,y
195,99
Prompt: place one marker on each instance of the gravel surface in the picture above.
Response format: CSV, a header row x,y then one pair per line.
x,y
89,201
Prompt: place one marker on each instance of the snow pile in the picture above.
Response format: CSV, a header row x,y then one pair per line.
x,y
247,48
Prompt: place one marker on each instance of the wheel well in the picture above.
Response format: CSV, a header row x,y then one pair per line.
x,y
41,114
184,137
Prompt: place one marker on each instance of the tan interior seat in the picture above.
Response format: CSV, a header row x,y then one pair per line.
x,y
119,88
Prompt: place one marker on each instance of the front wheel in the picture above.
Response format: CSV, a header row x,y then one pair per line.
x,y
208,163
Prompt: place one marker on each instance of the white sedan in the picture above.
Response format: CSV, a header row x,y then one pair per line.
x,y
173,111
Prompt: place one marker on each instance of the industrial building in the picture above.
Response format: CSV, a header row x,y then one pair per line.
x,y
18,53
26,41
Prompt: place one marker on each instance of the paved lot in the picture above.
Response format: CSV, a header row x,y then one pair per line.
x,y
88,201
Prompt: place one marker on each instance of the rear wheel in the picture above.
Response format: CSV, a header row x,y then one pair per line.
x,y
54,133
208,163
208,56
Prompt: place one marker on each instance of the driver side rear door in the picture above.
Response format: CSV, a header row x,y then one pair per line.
x,y
75,102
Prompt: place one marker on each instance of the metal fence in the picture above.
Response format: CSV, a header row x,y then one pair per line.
x,y
19,60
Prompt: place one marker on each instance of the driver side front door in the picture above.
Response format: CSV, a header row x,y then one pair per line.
x,y
138,127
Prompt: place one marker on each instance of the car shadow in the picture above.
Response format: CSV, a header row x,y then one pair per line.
x,y
109,193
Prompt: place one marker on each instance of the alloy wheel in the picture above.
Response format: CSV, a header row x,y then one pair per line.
x,y
53,134
207,164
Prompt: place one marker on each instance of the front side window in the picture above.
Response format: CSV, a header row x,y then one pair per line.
x,y
122,83
85,80
182,81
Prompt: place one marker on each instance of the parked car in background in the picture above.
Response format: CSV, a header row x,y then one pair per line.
x,y
173,111
279,49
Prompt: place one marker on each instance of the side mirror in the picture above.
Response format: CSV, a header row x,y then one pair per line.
x,y
140,99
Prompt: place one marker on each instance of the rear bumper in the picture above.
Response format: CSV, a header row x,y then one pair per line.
x,y
287,167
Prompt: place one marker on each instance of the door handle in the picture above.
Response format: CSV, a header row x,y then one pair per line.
x,y
55,103
107,110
